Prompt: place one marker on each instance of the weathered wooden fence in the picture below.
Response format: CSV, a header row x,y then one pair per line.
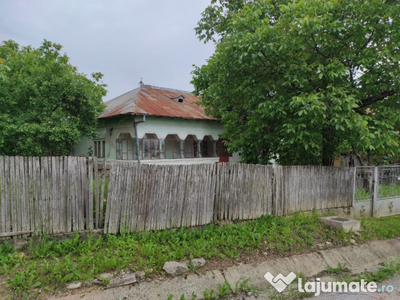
x,y
65,194
157,197
150,197
48,195
243,191
303,188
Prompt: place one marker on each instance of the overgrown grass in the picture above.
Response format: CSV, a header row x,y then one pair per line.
x,y
49,265
361,194
388,190
100,180
380,228
384,191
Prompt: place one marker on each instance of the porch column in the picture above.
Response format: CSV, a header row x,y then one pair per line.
x,y
182,149
214,149
199,149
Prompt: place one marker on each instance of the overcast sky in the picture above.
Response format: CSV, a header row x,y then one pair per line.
x,y
126,40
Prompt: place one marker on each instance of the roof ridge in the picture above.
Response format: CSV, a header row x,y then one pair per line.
x,y
122,95
166,89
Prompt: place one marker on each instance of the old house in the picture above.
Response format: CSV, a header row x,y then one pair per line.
x,y
155,125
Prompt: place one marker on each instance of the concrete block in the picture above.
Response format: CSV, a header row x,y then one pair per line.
x,y
342,223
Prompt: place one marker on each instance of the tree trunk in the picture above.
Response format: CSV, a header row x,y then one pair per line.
x,y
328,148
327,161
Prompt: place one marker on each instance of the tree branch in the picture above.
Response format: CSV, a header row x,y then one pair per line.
x,y
316,48
367,42
373,99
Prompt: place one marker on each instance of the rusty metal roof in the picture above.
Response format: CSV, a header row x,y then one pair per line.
x,y
156,101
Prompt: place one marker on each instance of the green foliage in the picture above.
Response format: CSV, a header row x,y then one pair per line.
x,y
303,81
388,190
193,297
387,271
6,248
361,194
380,228
384,191
210,294
46,104
225,290
339,269
3,70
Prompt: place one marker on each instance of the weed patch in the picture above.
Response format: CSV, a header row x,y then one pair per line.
x,y
387,271
224,291
339,269
50,265
380,228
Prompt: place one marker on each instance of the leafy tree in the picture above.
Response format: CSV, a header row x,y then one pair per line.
x,y
303,81
3,70
46,104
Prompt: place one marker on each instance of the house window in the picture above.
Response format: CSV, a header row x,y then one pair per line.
x,y
99,148
125,146
172,147
206,146
150,146
190,146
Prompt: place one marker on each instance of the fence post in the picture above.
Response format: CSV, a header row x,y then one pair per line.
x,y
374,205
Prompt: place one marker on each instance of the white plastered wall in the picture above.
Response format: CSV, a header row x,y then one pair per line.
x,y
162,127
181,127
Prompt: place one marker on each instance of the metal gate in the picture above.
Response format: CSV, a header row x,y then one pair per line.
x,y
377,191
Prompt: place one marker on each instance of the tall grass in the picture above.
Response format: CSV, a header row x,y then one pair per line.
x,y
50,264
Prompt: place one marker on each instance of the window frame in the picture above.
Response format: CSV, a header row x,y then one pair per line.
x,y
120,153
151,150
174,140
193,142
99,148
206,145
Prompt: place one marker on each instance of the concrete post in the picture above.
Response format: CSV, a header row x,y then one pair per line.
x,y
374,206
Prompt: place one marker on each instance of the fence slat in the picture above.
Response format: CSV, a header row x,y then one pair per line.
x,y
90,207
3,209
7,191
26,222
53,196
19,185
